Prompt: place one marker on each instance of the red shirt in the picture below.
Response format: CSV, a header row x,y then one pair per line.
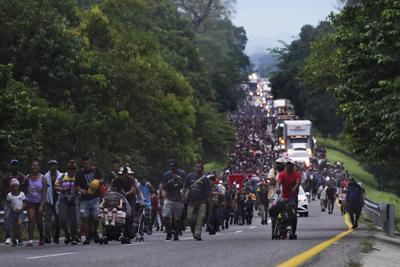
x,y
288,182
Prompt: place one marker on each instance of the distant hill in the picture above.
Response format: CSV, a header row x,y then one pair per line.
x,y
264,63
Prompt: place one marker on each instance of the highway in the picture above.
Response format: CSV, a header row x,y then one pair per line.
x,y
236,247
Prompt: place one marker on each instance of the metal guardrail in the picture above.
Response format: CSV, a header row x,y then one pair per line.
x,y
382,215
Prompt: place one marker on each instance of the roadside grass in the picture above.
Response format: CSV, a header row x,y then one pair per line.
x,y
337,152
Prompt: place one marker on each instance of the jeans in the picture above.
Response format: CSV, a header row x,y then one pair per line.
x,y
68,218
7,225
354,212
196,215
214,219
331,205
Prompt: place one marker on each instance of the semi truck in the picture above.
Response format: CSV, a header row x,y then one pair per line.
x,y
297,136
283,107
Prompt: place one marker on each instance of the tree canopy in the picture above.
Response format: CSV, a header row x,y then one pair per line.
x,y
358,63
125,79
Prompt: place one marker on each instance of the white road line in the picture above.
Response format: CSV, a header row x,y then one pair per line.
x,y
51,255
238,231
252,227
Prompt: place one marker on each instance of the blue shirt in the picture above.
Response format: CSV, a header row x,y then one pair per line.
x,y
146,190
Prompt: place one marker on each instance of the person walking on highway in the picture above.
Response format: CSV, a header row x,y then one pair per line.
x,y
171,188
354,201
199,187
87,182
36,185
321,194
68,200
290,180
263,202
331,193
13,174
51,222
16,202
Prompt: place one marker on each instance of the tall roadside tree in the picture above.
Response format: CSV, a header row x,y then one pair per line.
x,y
367,39
311,100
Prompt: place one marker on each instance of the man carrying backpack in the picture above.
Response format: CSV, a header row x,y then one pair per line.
x,y
198,187
354,201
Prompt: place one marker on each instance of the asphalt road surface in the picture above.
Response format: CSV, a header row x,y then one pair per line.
x,y
238,246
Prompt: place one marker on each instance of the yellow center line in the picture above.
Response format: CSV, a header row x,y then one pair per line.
x,y
305,256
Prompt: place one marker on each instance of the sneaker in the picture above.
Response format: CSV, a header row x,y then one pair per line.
x,y
73,242
169,236
106,222
198,238
30,243
96,238
113,223
86,242
47,240
176,237
41,243
8,241
20,243
14,243
67,240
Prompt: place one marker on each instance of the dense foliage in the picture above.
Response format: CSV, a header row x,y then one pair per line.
x,y
358,62
126,79
310,100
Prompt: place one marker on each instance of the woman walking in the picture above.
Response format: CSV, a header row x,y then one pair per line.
x,y
68,198
36,186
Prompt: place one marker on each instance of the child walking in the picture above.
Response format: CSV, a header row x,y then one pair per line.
x,y
16,203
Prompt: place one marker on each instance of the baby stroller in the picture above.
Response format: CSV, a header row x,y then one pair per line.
x,y
115,218
282,214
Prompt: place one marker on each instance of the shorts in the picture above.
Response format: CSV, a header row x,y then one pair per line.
x,y
16,216
32,206
172,208
90,207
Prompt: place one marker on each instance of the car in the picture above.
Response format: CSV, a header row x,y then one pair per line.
x,y
299,156
302,207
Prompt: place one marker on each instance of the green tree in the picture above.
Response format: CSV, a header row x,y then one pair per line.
x,y
367,37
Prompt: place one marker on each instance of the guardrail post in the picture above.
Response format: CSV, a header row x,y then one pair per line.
x,y
383,216
390,220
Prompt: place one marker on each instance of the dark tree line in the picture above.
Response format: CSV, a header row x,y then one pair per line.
x,y
124,79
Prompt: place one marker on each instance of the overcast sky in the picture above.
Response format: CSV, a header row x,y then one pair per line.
x,y
267,21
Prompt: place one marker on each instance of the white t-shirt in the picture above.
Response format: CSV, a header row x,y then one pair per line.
x,y
17,202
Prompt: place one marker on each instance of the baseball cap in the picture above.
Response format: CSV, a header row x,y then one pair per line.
x,y
14,182
290,161
172,163
52,162
281,160
125,169
94,185
14,162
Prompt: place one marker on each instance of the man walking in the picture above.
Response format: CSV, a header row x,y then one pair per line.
x,y
199,188
87,182
51,221
171,187
354,200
